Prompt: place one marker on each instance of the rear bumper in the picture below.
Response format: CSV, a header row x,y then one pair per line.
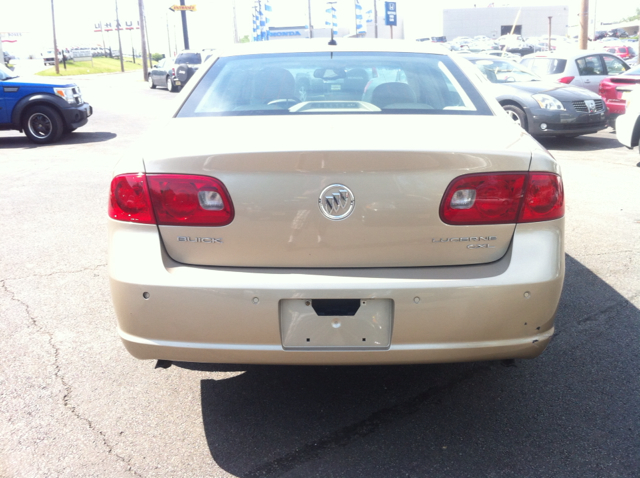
x,y
493,311
616,107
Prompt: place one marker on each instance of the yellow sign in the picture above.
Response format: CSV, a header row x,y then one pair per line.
x,y
190,8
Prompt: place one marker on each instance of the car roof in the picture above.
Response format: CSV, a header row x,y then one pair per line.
x,y
488,57
567,55
322,45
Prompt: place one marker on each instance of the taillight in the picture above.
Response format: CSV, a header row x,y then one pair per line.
x,y
566,79
503,198
544,199
604,88
170,199
129,199
189,200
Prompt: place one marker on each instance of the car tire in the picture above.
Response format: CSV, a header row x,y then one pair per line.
x,y
42,124
517,115
152,85
184,73
171,86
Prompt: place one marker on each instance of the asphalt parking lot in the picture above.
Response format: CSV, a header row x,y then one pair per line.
x,y
74,403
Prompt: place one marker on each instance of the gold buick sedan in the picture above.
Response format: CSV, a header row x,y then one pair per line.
x,y
358,203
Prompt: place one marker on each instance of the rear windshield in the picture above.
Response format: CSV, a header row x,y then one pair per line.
x,y
545,66
321,83
191,58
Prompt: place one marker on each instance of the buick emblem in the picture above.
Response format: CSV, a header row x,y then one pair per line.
x,y
336,202
591,105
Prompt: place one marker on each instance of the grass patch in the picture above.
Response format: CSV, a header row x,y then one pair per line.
x,y
100,65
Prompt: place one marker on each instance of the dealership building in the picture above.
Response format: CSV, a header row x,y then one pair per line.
x,y
494,22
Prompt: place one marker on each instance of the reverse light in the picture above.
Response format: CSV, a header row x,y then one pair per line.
x,y
189,200
170,199
566,79
503,198
463,199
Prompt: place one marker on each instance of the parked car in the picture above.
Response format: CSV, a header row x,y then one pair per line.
x,y
500,53
543,108
600,34
337,235
516,44
163,74
628,125
438,39
615,91
186,63
44,108
618,33
49,57
584,68
624,52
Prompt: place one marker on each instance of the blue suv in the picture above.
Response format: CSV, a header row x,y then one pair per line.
x,y
44,109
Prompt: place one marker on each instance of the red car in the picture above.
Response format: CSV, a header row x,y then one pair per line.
x,y
624,52
615,89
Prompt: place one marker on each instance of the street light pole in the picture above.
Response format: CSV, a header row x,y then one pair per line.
x,y
143,29
168,35
119,41
375,16
55,41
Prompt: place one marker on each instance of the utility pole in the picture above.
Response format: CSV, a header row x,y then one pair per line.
x,y
583,36
146,33
549,44
55,41
143,29
310,25
593,15
119,41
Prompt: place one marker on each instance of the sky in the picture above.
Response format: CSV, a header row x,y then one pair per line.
x,y
211,25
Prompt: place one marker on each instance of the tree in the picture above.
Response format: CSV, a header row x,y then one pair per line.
x,y
634,17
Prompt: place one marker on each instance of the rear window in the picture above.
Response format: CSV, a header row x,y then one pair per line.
x,y
334,83
191,58
545,66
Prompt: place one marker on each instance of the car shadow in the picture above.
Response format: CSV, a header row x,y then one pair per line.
x,y
76,137
583,143
573,411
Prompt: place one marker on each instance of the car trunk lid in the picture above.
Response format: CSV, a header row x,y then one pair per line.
x,y
276,171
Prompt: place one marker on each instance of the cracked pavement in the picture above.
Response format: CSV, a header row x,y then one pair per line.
x,y
74,403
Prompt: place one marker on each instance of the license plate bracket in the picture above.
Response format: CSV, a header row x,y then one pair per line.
x,y
369,328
